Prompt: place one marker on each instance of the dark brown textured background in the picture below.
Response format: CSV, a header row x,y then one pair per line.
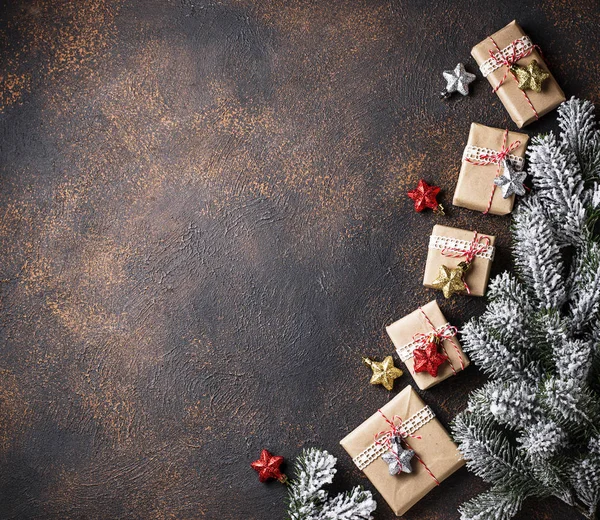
x,y
204,225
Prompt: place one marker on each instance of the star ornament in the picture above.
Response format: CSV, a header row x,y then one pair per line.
x,y
398,459
511,180
530,77
424,196
457,80
450,281
267,466
384,372
429,359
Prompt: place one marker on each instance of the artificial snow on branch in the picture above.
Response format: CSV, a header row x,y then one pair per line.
x,y
315,468
534,429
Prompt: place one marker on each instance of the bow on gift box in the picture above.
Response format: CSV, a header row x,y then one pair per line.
x,y
425,348
396,457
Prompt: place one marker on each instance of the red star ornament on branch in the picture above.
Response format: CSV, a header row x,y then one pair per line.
x,y
424,196
429,359
267,466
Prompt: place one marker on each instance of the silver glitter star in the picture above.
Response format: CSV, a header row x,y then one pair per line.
x,y
398,459
458,80
511,180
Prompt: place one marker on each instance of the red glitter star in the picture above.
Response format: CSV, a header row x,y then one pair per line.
x,y
424,196
428,359
268,467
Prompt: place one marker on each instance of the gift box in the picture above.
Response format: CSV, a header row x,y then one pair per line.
x,y
415,332
405,417
482,160
452,250
511,59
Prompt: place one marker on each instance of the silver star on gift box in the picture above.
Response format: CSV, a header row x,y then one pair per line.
x,y
457,80
398,459
511,180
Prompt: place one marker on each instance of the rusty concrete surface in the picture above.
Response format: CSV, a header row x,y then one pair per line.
x,y
204,227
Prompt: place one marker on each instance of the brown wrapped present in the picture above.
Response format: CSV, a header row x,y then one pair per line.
x,y
482,160
458,261
415,332
376,449
510,64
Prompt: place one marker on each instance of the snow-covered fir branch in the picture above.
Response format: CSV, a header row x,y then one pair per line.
x,y
585,293
534,429
579,135
495,504
585,476
493,356
509,308
560,188
314,469
538,256
488,453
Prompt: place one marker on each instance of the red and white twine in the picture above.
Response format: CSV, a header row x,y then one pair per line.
x,y
447,332
479,244
507,59
495,157
386,437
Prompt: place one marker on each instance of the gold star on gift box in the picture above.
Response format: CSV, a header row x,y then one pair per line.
x,y
384,372
530,77
450,280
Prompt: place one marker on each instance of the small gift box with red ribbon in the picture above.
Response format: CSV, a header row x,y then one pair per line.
x,y
514,66
403,450
483,163
426,343
458,261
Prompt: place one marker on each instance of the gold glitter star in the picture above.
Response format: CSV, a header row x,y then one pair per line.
x,y
450,281
530,77
384,372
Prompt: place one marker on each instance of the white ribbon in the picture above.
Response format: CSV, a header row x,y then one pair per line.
x,y
441,243
406,351
517,47
475,154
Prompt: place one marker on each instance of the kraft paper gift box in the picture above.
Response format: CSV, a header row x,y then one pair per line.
x,y
475,184
526,106
420,322
439,455
443,241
